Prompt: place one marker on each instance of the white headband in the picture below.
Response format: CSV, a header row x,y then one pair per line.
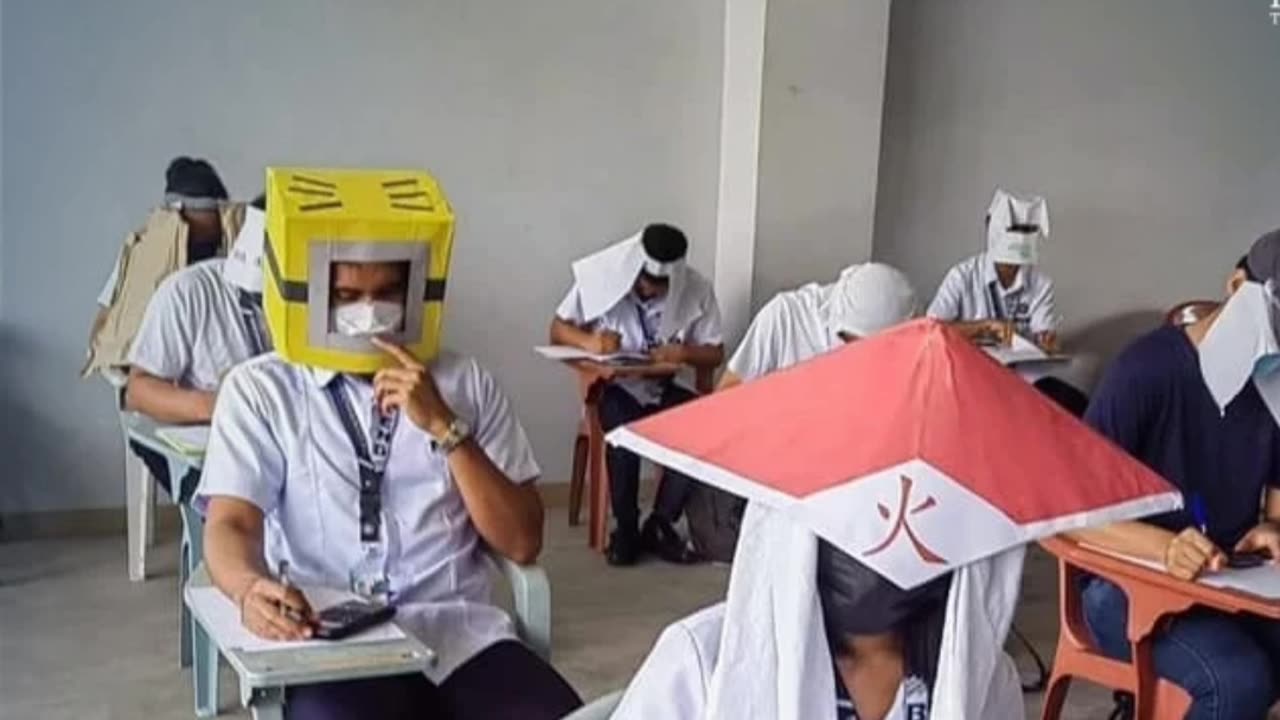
x,y
178,201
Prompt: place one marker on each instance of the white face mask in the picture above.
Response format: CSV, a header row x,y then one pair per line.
x,y
365,319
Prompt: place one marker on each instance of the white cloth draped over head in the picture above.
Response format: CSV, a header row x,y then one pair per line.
x,y
1241,345
605,277
243,267
1006,245
774,662
868,298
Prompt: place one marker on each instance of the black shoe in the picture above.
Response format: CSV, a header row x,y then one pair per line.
x,y
659,538
624,548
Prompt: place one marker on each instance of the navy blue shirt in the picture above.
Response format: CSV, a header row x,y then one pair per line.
x,y
1153,402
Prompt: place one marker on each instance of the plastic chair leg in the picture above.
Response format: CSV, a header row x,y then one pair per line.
x,y
185,621
149,513
204,672
1055,697
140,499
203,653
577,480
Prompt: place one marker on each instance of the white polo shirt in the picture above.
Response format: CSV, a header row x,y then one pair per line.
x,y
194,329
277,441
638,323
789,329
966,295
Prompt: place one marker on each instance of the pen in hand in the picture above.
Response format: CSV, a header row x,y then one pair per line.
x,y
286,609
1198,515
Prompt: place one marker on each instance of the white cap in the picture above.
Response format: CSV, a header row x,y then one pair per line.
x,y
243,267
869,298
1010,247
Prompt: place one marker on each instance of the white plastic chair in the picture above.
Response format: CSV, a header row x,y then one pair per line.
x,y
598,709
530,588
139,488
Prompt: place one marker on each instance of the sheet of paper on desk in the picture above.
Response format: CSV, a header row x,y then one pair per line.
x,y
1021,351
562,353
222,620
186,439
1263,581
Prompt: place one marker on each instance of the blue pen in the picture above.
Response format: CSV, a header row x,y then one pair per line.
x,y
1195,506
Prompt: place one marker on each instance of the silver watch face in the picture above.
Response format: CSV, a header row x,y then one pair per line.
x,y
460,428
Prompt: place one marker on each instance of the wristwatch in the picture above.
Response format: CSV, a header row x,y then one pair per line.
x,y
459,432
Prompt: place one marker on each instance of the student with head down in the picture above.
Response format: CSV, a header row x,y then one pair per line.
x,y
880,558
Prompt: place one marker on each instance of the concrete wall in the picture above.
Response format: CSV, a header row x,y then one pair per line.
x,y
824,65
555,127
1150,125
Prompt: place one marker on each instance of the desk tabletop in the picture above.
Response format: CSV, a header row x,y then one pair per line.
x,y
1220,597
321,662
607,371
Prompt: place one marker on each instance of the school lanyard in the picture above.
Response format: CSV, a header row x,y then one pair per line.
x,y
250,316
370,457
650,341
997,305
1022,323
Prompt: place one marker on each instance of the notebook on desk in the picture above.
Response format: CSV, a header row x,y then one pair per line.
x,y
563,353
1021,352
221,619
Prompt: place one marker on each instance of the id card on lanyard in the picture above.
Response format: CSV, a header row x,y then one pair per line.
x,y
1020,317
369,577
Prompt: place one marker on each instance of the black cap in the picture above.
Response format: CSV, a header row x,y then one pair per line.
x,y
193,177
664,243
1263,261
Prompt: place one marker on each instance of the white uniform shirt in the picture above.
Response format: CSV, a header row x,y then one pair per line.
x,y
638,322
277,441
674,683
966,295
789,329
194,329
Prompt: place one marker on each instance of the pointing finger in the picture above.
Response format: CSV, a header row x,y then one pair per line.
x,y
397,352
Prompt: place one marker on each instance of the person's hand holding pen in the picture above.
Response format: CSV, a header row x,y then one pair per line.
x,y
276,610
1191,552
604,342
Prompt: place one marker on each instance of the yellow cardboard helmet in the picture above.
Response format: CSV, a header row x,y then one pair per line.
x,y
316,218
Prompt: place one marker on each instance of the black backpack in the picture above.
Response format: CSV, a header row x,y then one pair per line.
x,y
715,518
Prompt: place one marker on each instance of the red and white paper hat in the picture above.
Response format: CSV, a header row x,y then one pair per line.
x,y
913,451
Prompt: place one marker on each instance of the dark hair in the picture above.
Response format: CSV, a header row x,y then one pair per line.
x,y
654,279
193,177
1243,264
664,243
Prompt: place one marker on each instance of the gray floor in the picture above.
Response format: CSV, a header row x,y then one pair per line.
x,y
78,640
